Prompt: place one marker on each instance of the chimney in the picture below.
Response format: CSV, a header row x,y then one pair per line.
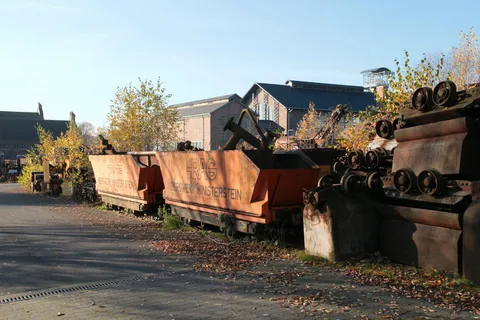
x,y
72,117
40,110
379,90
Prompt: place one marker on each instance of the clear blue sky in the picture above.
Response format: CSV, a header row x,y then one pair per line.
x,y
72,55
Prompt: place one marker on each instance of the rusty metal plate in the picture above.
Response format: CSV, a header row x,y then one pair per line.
x,y
339,227
442,153
471,242
120,174
420,245
423,216
437,129
213,178
230,180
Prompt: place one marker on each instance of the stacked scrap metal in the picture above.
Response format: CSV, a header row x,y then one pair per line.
x,y
427,187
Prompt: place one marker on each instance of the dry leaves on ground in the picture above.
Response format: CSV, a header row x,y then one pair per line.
x,y
441,288
223,256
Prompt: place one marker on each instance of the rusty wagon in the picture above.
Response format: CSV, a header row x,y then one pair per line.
x,y
132,180
236,189
242,190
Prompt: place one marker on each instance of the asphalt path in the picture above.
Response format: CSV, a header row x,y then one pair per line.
x,y
42,247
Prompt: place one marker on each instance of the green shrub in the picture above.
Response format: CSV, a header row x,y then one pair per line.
x,y
170,221
25,178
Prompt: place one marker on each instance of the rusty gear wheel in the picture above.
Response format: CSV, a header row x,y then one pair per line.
x,y
422,99
404,180
431,182
445,93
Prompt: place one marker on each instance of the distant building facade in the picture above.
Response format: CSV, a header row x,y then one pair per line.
x,y
202,121
287,104
18,131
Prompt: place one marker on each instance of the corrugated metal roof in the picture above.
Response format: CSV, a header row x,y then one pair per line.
x,y
323,86
25,129
205,106
19,115
228,97
204,109
299,98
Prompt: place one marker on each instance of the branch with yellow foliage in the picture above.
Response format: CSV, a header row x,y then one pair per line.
x,y
464,67
308,127
67,151
140,119
401,84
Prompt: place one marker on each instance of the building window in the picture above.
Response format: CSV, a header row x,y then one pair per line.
x,y
266,112
276,111
197,144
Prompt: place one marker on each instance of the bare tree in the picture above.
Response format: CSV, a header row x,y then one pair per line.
x,y
89,135
462,63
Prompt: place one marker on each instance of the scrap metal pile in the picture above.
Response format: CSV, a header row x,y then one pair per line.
x,y
427,188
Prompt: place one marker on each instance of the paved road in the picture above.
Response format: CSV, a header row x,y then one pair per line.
x,y
61,260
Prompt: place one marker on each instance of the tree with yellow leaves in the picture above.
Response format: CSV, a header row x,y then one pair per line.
x,y
308,127
401,85
463,66
67,151
140,119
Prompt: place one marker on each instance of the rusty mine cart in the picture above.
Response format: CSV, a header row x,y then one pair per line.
x,y
236,189
129,180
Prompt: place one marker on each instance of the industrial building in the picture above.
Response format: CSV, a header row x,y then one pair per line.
x,y
286,104
279,107
18,131
202,121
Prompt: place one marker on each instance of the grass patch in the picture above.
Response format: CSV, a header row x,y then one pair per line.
x,y
460,281
102,206
170,221
212,234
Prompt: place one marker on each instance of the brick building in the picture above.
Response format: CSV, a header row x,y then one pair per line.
x,y
18,131
286,104
202,121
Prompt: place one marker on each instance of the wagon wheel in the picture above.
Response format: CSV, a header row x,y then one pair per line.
x,y
431,182
422,99
373,158
384,129
445,94
338,168
404,180
349,183
326,180
373,180
356,159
